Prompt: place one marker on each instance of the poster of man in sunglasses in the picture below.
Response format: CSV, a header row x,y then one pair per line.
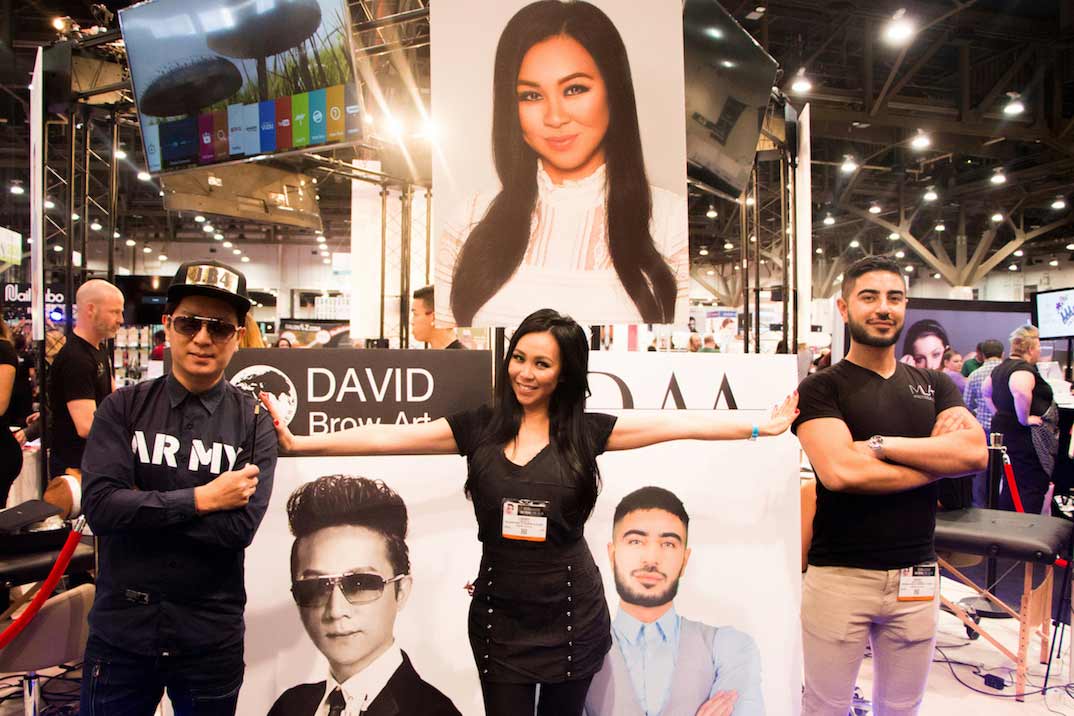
x,y
350,579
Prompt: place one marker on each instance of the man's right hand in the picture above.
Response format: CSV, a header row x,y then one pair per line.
x,y
230,490
722,704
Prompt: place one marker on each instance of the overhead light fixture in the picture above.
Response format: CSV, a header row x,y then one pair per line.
x,y
50,204
900,254
899,29
936,275
120,154
921,140
1059,203
998,177
855,244
325,261
931,195
909,269
200,219
1053,263
227,244
218,236
728,246
115,234
17,188
95,225
941,227
237,252
324,253
801,83
894,236
1014,106
1069,247
829,220
820,251
1012,267
727,64
144,176
703,251
162,257
130,242
245,259
849,165
207,228
997,217
75,217
318,232
749,200
753,239
710,272
874,208
147,249
321,239
1019,253
57,248
711,213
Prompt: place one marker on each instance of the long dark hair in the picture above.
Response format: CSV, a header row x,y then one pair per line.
x,y
566,409
496,246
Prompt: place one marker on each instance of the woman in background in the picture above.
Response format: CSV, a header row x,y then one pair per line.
x,y
952,366
10,450
575,220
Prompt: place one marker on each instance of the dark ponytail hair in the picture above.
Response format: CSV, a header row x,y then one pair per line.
x,y
566,409
496,246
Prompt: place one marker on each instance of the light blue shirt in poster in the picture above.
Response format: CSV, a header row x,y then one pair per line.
x,y
650,650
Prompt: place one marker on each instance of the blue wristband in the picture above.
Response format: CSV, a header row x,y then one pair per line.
x,y
755,433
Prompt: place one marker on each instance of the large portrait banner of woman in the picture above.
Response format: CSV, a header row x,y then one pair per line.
x,y
560,166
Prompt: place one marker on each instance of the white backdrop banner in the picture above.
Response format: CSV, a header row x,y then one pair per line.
x,y
742,498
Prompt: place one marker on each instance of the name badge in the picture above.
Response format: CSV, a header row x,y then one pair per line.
x,y
918,583
525,520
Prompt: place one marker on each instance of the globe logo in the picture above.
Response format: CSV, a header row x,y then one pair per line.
x,y
317,116
255,379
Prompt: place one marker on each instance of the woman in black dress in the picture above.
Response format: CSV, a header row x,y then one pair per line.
x,y
538,615
10,450
1023,401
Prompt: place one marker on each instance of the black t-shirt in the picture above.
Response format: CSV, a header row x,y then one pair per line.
x,y
80,371
888,531
544,477
8,357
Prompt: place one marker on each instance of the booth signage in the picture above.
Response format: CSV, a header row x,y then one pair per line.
x,y
345,388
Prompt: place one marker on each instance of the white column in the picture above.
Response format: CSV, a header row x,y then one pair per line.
x,y
365,255
803,230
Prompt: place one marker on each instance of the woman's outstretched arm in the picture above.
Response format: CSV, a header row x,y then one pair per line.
x,y
634,431
375,439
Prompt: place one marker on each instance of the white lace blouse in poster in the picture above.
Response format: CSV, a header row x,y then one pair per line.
x,y
560,169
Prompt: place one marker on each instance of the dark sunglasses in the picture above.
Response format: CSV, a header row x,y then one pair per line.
x,y
357,587
190,326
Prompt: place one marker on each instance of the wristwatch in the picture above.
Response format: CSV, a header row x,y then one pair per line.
x,y
876,444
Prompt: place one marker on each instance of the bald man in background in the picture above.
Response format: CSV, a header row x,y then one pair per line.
x,y
81,375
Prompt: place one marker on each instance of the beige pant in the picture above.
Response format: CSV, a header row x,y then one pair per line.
x,y
843,607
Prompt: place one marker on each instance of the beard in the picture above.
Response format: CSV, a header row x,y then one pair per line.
x,y
859,333
643,599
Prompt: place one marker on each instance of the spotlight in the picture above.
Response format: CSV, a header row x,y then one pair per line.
x,y
909,269
325,254
144,176
207,228
115,234
162,257
237,252
131,242
96,226
17,189
920,141
855,244
321,239
749,201
120,154
200,219
894,236
1019,253
820,250
728,246
936,275
325,261
147,249
218,236
50,204
703,251
801,83
875,209
849,166
1012,267
1069,247
57,248
931,195
318,232
997,217
940,227
227,244
245,259
75,217
1014,106
998,177
711,213
710,272
900,254
899,29
1053,263
829,220
1059,203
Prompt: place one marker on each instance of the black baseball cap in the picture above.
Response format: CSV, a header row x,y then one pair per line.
x,y
213,279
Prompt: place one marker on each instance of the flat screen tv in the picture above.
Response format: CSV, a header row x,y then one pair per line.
x,y
1053,313
235,80
728,83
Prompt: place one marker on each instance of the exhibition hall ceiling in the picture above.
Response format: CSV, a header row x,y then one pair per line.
x,y
871,100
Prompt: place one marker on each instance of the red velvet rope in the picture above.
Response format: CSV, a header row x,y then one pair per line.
x,y
46,587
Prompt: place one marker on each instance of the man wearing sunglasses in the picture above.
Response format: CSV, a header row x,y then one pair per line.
x,y
177,475
350,578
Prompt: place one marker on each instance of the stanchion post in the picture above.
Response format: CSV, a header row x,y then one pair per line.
x,y
995,474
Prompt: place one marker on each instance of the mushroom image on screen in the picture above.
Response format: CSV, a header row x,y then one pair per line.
x,y
261,30
189,86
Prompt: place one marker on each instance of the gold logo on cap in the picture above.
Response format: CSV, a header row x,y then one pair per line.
x,y
213,276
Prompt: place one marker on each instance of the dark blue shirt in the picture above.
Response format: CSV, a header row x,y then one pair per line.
x,y
170,579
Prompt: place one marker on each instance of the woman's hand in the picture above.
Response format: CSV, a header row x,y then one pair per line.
x,y
1034,420
283,434
782,416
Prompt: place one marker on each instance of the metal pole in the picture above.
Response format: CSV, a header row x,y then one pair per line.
x,y
794,255
69,279
405,198
87,157
785,232
383,250
113,199
756,265
428,236
743,224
